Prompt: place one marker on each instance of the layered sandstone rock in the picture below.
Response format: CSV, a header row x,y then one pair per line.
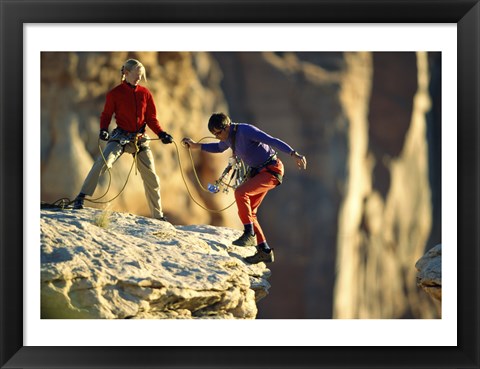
x,y
429,276
111,265
386,217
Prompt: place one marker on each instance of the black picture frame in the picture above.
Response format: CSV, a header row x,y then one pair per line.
x,y
14,14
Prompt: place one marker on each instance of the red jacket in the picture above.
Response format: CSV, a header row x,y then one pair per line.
x,y
132,106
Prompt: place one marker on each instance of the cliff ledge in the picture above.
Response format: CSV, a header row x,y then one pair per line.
x,y
142,268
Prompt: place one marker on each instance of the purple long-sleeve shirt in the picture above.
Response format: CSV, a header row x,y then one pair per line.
x,y
252,145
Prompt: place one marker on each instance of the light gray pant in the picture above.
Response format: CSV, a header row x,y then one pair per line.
x,y
145,165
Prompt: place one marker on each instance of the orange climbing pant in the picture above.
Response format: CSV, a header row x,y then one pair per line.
x,y
251,193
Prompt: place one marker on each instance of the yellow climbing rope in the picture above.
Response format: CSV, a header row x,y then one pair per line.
x,y
198,180
134,164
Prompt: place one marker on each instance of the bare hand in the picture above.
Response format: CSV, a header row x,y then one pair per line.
x,y
301,161
188,143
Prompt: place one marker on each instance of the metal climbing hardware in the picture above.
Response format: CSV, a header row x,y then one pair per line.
x,y
213,188
238,174
124,137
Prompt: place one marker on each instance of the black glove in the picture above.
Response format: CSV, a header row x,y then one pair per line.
x,y
165,137
104,135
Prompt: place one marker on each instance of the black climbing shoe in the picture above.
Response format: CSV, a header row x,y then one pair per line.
x,y
260,256
78,204
246,239
163,219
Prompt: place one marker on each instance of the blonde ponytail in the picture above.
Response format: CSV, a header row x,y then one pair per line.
x,y
132,64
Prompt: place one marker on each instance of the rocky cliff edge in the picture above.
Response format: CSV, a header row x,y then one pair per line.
x,y
111,265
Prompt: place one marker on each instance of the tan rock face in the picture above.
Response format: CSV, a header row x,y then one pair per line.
x,y
350,229
386,217
429,276
141,268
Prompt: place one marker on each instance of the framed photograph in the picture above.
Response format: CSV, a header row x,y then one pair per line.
x,y
442,33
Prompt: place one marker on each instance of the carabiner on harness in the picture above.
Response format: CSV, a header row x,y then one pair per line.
x,y
238,175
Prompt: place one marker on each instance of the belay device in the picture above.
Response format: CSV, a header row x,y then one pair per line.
x,y
238,174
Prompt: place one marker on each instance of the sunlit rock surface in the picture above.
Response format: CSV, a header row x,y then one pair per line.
x,y
137,267
429,276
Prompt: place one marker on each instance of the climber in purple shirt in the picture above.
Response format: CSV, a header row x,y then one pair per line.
x,y
252,145
257,150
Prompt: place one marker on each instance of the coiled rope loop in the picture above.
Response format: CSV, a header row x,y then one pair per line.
x,y
65,202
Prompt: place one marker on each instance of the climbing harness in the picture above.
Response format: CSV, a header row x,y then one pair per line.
x,y
123,138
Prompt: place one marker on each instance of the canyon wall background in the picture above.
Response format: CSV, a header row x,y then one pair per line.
x,y
348,231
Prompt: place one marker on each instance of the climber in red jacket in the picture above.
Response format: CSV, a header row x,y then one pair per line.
x,y
134,110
